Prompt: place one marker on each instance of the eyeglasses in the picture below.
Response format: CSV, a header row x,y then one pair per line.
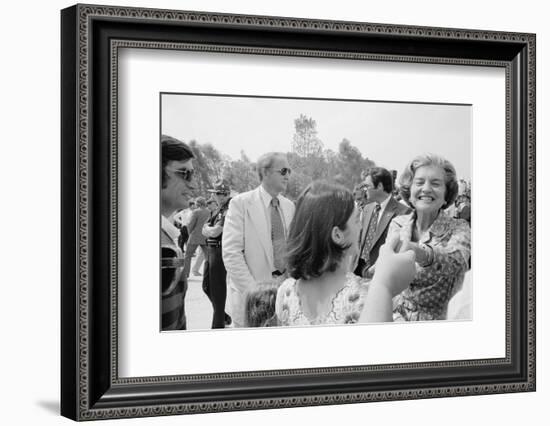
x,y
185,174
284,171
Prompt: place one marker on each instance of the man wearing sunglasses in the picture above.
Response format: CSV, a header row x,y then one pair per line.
x,y
254,233
176,188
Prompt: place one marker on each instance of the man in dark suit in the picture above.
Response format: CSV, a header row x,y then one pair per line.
x,y
382,207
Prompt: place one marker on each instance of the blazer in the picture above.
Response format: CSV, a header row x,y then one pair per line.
x,y
194,227
394,208
247,248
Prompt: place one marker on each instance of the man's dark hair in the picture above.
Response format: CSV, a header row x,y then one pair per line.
x,y
381,175
173,149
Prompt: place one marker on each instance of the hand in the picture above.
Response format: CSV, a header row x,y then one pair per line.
x,y
211,231
422,256
395,268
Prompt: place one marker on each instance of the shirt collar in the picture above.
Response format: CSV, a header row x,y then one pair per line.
x,y
384,203
441,225
266,198
170,229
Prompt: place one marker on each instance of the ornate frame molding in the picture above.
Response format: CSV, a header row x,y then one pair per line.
x,y
111,396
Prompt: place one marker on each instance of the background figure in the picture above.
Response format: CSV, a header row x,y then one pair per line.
x,y
199,260
463,208
322,249
460,305
255,231
260,305
181,220
376,217
441,243
177,184
212,205
360,195
198,217
215,275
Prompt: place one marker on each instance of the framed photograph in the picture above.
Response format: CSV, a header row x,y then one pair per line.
x,y
392,165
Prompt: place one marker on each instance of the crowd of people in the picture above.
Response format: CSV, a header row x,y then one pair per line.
x,y
334,256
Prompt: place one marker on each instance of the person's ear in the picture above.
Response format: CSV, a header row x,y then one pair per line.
x,y
337,236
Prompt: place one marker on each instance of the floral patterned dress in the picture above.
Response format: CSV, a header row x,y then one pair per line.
x,y
346,306
428,295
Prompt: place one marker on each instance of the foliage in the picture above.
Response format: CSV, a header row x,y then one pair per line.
x,y
308,160
305,142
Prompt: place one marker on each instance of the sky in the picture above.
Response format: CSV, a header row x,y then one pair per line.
x,y
391,134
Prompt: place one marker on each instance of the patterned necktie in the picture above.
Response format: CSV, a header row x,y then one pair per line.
x,y
277,236
371,232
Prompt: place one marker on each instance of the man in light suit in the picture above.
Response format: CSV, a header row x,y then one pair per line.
x,y
254,234
376,218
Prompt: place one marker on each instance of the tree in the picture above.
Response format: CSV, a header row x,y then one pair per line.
x,y
208,164
352,165
305,141
241,174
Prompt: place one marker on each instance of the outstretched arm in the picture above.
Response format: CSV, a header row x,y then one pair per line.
x,y
395,269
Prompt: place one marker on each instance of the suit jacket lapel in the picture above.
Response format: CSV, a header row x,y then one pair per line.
x,y
387,216
257,217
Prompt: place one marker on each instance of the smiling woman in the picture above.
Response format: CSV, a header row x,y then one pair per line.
x,y
441,243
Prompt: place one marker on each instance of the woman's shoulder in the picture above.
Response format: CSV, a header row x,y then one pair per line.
x,y
445,224
403,219
356,285
287,303
349,303
286,288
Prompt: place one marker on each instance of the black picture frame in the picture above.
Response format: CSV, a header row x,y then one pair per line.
x,y
90,386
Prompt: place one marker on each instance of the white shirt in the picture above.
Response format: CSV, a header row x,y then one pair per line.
x,y
266,202
383,206
182,217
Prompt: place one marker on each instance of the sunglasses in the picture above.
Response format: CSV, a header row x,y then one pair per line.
x,y
185,174
284,171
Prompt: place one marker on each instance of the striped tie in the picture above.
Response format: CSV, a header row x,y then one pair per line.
x,y
277,236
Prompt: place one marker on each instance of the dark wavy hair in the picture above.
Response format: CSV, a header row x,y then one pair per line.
x,y
451,183
173,149
311,250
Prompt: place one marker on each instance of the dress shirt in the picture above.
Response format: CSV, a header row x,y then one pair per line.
x,y
266,203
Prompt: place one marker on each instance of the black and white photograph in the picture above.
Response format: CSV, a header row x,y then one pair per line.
x,y
263,209
281,211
